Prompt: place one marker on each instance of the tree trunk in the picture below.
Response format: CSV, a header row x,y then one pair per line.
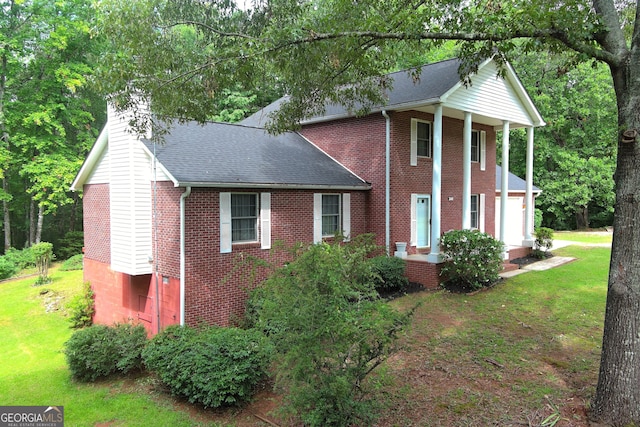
x,y
32,222
7,217
582,217
40,222
617,399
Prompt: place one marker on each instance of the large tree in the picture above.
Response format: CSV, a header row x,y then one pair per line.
x,y
46,113
575,152
335,51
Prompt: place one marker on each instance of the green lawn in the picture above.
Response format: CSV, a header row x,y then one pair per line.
x,y
590,237
515,354
34,372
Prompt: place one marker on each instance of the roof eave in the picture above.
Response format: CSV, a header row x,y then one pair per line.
x,y
92,159
277,186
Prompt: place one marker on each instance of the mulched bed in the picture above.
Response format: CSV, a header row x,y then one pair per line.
x,y
529,259
412,288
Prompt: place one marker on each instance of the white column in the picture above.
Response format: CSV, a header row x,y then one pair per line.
x,y
528,198
436,183
466,172
504,193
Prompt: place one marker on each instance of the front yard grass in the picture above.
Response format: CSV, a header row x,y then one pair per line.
x,y
516,354
34,372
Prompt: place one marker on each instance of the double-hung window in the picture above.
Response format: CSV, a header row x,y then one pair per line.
x,y
475,204
475,146
421,140
244,217
330,214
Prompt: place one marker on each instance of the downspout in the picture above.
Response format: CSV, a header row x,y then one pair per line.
x,y
387,190
183,197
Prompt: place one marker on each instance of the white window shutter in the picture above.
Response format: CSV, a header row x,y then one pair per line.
x,y
346,215
414,142
481,213
317,217
414,220
225,223
483,150
265,220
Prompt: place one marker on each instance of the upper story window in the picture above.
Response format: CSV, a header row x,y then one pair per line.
x,y
244,217
475,146
424,139
421,140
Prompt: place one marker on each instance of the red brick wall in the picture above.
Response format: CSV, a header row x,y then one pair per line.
x,y
96,222
359,144
121,298
217,283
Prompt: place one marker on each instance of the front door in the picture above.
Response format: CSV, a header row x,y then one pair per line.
x,y
423,220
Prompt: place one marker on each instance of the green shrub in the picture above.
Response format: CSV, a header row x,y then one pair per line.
x,y
43,253
330,330
71,244
101,351
213,366
544,239
73,263
472,259
537,218
7,268
389,273
22,258
82,308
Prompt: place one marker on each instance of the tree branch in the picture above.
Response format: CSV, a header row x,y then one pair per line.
x,y
209,28
561,36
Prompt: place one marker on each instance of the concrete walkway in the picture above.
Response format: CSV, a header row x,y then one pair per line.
x,y
552,262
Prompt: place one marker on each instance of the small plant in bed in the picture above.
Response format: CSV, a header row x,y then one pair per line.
x,y
472,260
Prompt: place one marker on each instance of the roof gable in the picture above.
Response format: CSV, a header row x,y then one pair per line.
x,y
490,97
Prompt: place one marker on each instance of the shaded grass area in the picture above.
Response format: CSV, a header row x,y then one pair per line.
x,y
516,354
34,372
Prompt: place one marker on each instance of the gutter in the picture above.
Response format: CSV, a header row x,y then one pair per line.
x,y
387,189
183,198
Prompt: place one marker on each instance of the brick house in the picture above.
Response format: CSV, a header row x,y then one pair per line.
x,y
166,224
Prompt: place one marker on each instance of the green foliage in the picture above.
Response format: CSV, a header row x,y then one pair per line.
x,y
389,273
43,254
7,268
22,258
76,262
537,218
100,351
82,308
70,245
330,331
211,366
472,259
544,238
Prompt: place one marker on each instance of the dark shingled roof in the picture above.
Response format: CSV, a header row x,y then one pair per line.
x,y
233,155
434,81
516,184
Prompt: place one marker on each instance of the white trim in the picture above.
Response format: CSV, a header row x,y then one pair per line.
x,y
483,150
225,223
346,215
414,220
414,142
265,220
481,212
317,217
